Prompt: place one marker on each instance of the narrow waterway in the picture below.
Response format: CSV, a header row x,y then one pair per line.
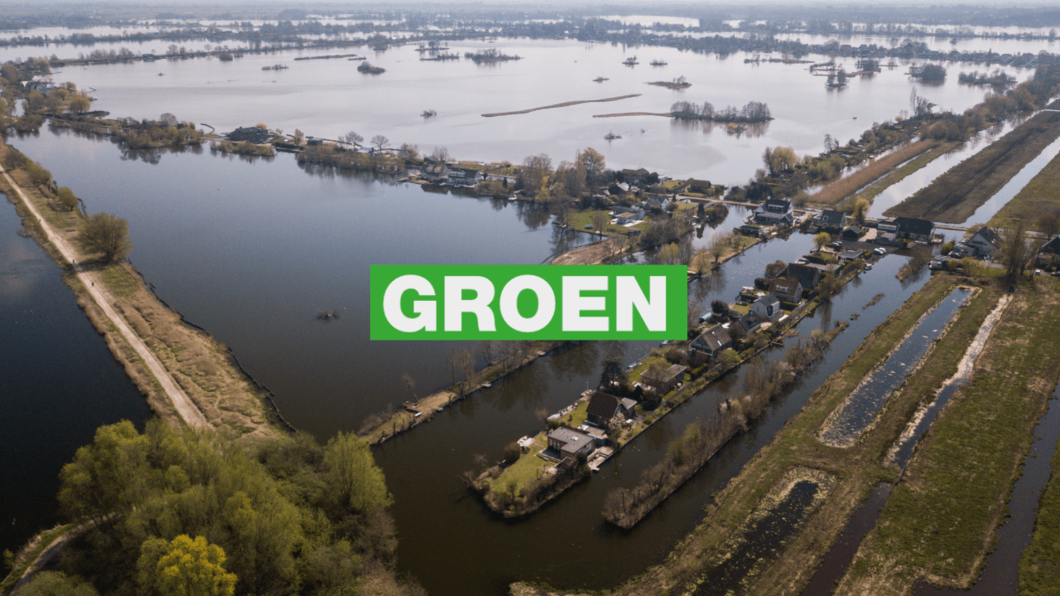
x,y
858,411
58,383
988,209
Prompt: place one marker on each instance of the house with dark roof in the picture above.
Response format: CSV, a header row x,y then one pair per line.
x,y
602,409
850,255
910,228
464,176
852,233
984,244
251,134
436,172
633,176
775,212
787,289
830,219
767,307
698,186
750,322
1050,251
712,341
663,381
807,276
566,442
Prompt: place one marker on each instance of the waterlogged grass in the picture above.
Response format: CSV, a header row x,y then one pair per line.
x,y
941,519
1040,566
1040,196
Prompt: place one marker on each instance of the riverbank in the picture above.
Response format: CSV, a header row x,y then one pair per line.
x,y
871,174
184,373
954,196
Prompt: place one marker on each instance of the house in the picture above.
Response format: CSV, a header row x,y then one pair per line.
x,y
437,172
626,407
750,322
570,443
852,233
658,202
786,289
251,134
807,276
663,381
698,186
775,212
984,244
750,230
712,341
850,255
314,142
633,176
619,188
625,219
1050,251
910,228
886,239
767,307
602,409
830,219
463,176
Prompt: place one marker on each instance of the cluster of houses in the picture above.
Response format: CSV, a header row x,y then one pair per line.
x,y
603,412
889,232
445,174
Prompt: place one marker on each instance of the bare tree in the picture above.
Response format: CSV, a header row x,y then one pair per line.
x,y
440,154
410,384
467,368
600,220
352,138
380,142
1015,251
487,350
168,119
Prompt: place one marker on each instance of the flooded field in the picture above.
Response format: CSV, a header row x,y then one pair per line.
x,y
857,412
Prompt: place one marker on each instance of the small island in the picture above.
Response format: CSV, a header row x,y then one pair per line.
x,y
368,68
676,84
490,56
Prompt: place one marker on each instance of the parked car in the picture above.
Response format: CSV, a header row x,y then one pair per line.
x,y
879,251
836,245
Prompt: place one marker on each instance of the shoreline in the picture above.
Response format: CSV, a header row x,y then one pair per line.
x,y
561,105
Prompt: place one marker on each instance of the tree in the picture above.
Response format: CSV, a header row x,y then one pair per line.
x,y
600,220
701,262
440,154
380,142
718,307
56,583
716,245
593,163
776,268
613,371
171,120
861,209
1049,225
352,138
1015,252
409,152
536,169
487,349
80,103
919,104
821,239
298,136
512,451
467,369
106,234
67,198
183,567
779,159
669,254
351,472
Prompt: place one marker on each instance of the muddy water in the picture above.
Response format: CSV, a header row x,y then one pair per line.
x,y
850,419
58,383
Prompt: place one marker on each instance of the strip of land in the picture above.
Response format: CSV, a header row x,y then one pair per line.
x,y
858,469
954,196
620,114
185,374
1040,196
844,187
940,522
561,105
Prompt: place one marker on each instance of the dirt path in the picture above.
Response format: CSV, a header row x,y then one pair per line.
x,y
183,405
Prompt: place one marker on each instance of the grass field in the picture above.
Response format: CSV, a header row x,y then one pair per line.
x,y
941,520
1040,196
845,187
954,196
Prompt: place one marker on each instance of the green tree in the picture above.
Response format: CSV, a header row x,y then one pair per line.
x,y
56,583
670,254
79,103
67,198
184,567
861,209
107,234
779,159
354,478
821,239
94,484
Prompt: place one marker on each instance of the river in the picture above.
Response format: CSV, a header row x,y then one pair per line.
x,y
59,383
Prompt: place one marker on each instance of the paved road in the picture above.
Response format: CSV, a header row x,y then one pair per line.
x,y
184,406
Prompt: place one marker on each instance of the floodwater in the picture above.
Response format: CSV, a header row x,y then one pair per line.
x,y
856,413
327,98
59,383
250,250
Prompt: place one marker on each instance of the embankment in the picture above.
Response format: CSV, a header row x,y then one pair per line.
x,y
560,105
954,196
